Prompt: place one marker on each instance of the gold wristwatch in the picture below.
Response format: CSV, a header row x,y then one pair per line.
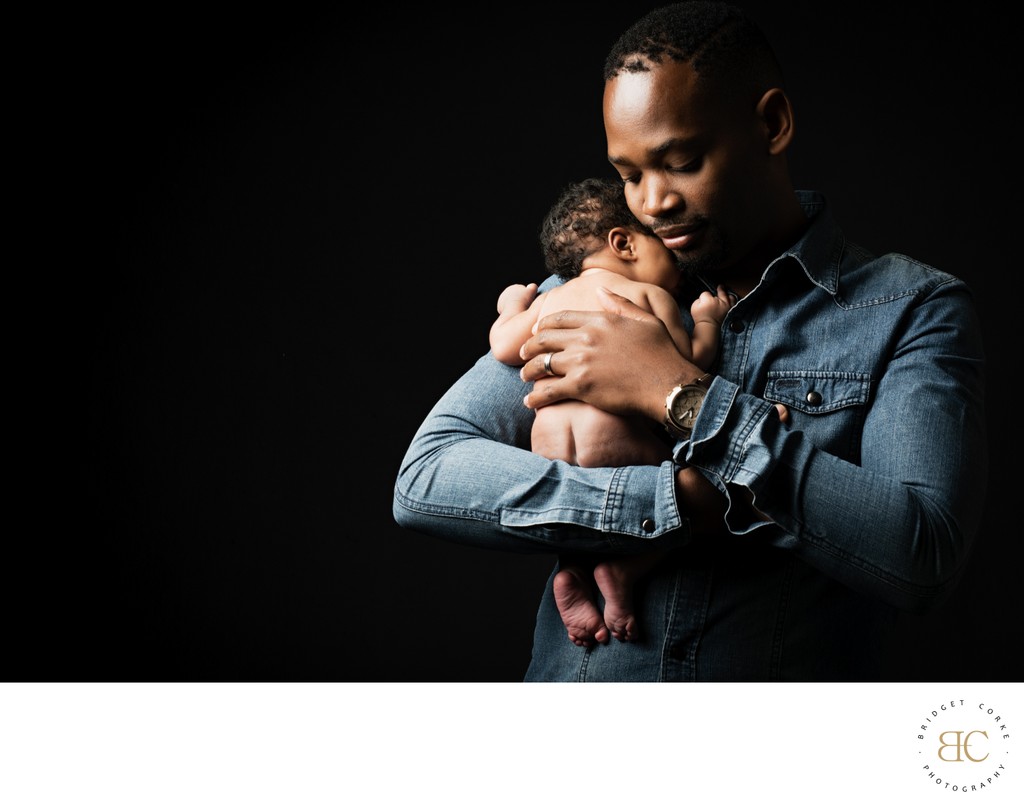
x,y
683,405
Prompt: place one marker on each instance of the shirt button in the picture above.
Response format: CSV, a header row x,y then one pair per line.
x,y
648,525
737,326
814,398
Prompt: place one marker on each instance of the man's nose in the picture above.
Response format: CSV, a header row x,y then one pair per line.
x,y
660,198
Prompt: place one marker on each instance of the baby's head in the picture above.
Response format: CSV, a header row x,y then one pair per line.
x,y
578,223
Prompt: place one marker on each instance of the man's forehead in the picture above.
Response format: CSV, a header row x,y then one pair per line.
x,y
664,81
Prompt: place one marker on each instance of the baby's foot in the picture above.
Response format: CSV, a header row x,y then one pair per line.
x,y
618,601
578,609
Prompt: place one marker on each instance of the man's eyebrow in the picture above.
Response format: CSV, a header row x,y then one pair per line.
x,y
658,150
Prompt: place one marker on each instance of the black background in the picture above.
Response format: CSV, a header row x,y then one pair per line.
x,y
280,239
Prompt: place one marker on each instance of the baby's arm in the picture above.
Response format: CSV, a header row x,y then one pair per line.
x,y
517,311
663,305
708,312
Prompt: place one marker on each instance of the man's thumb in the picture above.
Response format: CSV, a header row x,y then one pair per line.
x,y
618,304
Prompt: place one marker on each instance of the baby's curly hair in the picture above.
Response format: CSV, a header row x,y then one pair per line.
x,y
579,221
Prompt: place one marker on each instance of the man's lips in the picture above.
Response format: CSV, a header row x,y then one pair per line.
x,y
677,237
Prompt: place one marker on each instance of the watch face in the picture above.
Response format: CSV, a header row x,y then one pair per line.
x,y
686,406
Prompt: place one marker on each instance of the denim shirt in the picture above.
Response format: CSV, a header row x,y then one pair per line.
x,y
872,492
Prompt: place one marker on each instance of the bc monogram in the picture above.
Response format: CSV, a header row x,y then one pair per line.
x,y
961,743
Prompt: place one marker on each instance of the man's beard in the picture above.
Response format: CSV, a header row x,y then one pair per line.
x,y
708,260
698,265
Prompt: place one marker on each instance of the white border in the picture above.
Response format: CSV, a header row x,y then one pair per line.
x,y
479,744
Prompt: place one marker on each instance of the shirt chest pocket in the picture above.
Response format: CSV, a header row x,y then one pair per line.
x,y
829,407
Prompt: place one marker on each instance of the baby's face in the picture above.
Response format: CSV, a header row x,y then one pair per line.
x,y
657,264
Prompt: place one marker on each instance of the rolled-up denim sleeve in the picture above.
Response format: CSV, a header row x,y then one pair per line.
x,y
468,476
897,520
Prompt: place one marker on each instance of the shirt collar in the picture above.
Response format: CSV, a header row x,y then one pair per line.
x,y
819,250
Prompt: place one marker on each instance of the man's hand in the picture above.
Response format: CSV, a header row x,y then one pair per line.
x,y
622,359
700,501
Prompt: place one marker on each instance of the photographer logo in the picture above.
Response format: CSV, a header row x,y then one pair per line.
x,y
964,746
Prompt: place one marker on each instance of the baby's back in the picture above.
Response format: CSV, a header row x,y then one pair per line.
x,y
580,293
576,432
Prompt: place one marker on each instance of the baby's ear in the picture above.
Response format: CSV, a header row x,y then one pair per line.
x,y
620,241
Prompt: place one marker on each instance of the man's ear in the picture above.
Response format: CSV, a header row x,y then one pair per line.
x,y
776,112
620,241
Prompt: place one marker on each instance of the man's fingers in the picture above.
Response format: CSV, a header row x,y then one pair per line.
x,y
618,304
544,392
539,365
552,334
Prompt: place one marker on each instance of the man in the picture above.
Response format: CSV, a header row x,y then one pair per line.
x,y
794,545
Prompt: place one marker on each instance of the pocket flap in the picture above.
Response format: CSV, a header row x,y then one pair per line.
x,y
816,391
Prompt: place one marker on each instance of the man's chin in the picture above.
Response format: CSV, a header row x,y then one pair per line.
x,y
692,264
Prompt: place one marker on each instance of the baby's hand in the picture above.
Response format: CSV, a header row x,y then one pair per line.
x,y
712,308
517,297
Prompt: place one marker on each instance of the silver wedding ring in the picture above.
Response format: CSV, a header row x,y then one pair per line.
x,y
547,364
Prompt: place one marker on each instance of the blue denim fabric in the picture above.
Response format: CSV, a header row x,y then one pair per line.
x,y
874,489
